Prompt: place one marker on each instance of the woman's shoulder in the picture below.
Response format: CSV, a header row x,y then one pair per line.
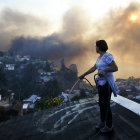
x,y
108,58
97,60
107,54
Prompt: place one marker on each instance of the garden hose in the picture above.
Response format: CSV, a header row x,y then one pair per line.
x,y
98,133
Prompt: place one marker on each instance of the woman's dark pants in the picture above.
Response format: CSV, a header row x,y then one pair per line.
x,y
104,103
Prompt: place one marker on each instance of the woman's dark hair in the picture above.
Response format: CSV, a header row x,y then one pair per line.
x,y
102,45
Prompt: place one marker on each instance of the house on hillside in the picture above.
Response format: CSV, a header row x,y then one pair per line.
x,y
29,102
137,86
22,58
10,67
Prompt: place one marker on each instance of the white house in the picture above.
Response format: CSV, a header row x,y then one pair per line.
x,y
28,103
64,96
128,90
45,78
137,87
138,97
31,99
10,67
22,58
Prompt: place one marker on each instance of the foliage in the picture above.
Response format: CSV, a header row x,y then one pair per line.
x,y
1,54
77,97
28,80
66,78
45,103
123,93
4,92
94,91
14,102
47,67
3,80
23,84
51,89
82,93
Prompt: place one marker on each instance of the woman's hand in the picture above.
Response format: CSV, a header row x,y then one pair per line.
x,y
101,73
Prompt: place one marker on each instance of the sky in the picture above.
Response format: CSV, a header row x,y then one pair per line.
x,y
76,24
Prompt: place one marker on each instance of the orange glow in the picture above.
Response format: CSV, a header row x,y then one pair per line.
x,y
133,17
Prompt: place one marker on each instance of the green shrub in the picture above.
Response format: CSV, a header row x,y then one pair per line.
x,y
45,103
75,98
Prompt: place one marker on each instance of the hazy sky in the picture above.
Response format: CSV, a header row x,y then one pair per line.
x,y
54,10
78,22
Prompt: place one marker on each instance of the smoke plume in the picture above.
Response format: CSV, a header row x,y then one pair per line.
x,y
75,41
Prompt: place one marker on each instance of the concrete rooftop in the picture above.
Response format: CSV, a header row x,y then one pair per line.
x,y
71,121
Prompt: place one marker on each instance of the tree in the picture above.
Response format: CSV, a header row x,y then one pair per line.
x,y
82,93
47,67
123,93
4,92
3,80
1,53
28,80
51,89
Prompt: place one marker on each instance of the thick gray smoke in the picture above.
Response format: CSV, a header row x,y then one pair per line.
x,y
50,47
68,43
76,40
122,35
14,23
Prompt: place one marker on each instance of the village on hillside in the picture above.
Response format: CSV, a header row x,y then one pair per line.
x,y
26,80
30,84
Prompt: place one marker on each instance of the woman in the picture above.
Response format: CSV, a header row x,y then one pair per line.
x,y
105,65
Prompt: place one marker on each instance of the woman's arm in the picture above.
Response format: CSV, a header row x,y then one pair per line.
x,y
92,69
113,68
